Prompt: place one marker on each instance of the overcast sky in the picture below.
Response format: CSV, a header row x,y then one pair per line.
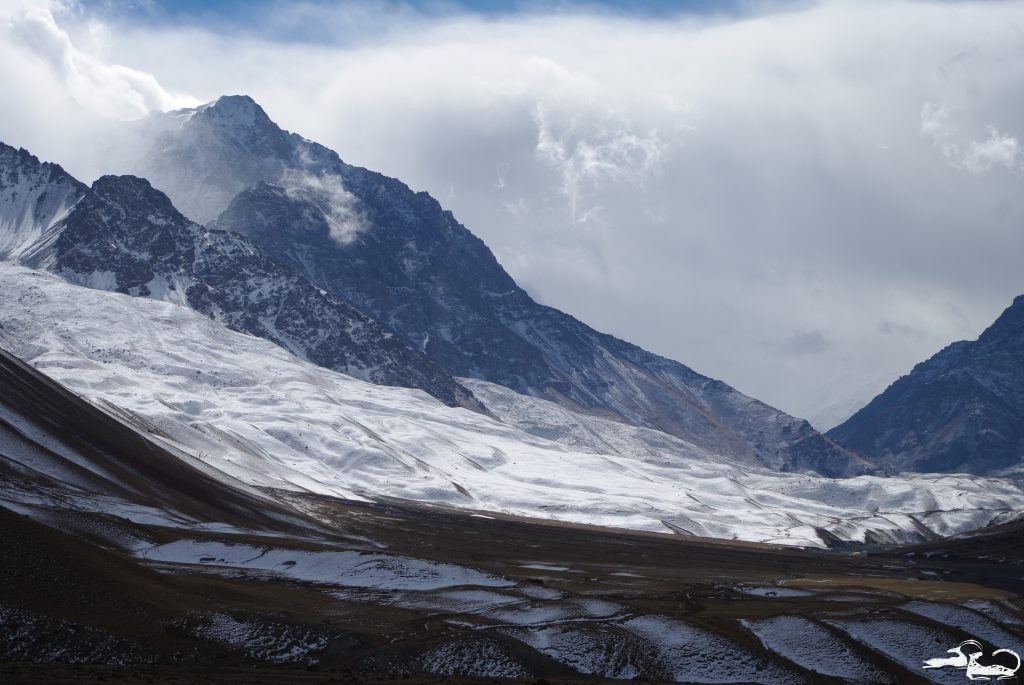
x,y
802,199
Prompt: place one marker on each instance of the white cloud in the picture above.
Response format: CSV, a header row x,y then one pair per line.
x,y
587,160
741,179
328,192
110,90
936,123
997,150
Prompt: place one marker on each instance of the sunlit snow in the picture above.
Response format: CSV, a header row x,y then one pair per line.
x,y
261,416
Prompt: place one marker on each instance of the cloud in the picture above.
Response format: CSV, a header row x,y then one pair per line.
x,y
740,179
603,153
895,328
799,344
110,90
327,191
997,150
936,123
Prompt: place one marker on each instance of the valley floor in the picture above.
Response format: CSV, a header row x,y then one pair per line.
x,y
433,593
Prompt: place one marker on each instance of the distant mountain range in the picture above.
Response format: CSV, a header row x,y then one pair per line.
x,y
355,272
398,256
112,291
960,411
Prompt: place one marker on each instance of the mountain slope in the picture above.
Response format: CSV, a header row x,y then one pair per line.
x,y
399,256
960,411
246,408
58,449
34,195
124,235
160,565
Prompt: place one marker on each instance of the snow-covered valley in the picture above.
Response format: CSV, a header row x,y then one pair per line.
x,y
256,414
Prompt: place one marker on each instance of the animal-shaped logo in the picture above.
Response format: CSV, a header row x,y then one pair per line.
x,y
976,671
966,654
960,660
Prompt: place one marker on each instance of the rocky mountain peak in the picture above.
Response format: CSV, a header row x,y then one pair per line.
x,y
240,109
135,193
1010,324
229,145
237,117
130,209
233,114
961,410
34,195
14,157
18,164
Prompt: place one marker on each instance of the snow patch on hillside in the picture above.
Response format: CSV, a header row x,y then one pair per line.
x,y
346,569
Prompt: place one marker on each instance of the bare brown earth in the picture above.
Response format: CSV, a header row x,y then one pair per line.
x,y
126,612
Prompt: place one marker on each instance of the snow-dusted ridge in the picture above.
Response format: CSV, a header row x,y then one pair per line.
x,y
124,235
34,196
256,413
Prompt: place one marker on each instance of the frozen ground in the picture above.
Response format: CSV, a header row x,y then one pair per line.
x,y
807,643
252,413
973,623
345,568
259,640
690,654
904,643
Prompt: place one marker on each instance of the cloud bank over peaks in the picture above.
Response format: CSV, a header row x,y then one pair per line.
x,y
762,195
109,90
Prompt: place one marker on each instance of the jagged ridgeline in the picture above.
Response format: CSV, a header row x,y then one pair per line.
x,y
123,235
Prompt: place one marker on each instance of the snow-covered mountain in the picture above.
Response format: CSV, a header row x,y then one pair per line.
x,y
124,235
400,257
204,156
960,411
34,195
255,415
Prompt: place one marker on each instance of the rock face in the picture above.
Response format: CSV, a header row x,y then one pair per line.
x,y
400,257
960,411
125,236
34,195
